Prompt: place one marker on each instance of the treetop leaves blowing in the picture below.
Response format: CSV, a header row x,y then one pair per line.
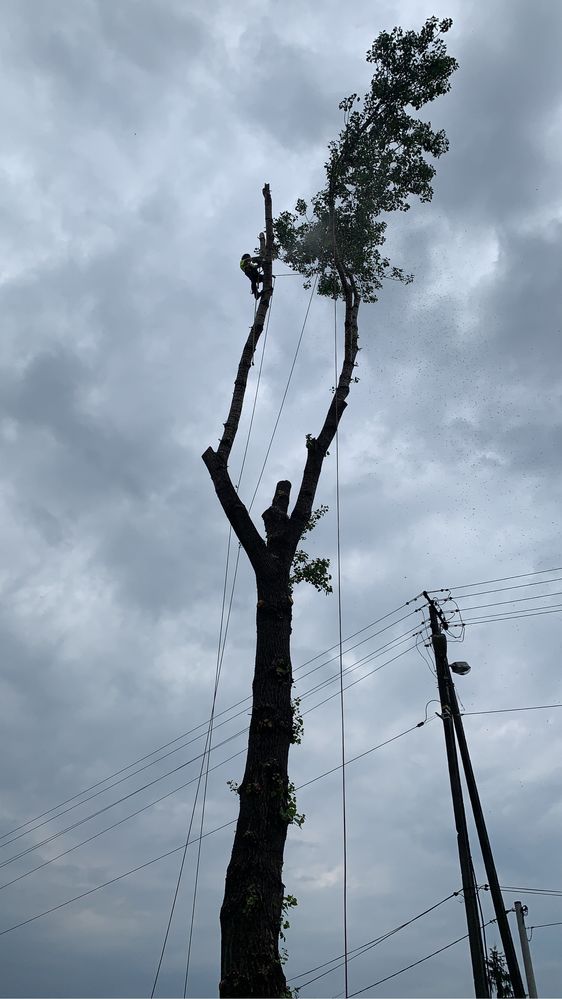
x,y
377,163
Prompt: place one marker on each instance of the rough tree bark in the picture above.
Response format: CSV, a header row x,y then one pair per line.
x,y
251,913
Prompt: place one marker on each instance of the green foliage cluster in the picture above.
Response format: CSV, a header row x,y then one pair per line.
x,y
288,809
298,723
311,570
375,166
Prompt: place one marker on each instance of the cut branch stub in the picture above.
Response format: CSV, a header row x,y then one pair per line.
x,y
276,519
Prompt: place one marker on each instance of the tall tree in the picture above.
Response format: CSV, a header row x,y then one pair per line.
x,y
498,974
377,163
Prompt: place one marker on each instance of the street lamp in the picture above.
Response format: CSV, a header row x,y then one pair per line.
x,y
461,668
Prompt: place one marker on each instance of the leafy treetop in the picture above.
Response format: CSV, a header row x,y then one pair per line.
x,y
375,165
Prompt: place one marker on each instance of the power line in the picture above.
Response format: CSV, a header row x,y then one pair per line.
x,y
363,948
504,589
513,617
187,763
502,579
243,701
209,833
540,926
415,964
100,811
501,711
555,892
175,790
296,354
512,600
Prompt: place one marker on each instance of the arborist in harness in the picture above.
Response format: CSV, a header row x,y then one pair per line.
x,y
251,267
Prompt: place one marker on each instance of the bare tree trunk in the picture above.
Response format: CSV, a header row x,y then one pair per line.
x,y
251,913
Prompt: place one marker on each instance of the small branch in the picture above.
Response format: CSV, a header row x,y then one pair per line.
x,y
276,520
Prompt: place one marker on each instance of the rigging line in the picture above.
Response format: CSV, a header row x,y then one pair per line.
x,y
369,945
540,926
285,392
501,711
503,589
182,845
502,579
421,961
230,738
341,691
179,877
244,700
205,762
225,637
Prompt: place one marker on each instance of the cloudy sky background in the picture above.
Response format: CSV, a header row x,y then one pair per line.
x,y
136,140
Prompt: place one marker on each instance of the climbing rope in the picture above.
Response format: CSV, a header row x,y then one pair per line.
x,y
204,769
223,633
221,650
340,643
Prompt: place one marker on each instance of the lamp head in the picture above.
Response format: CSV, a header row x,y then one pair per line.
x,y
462,668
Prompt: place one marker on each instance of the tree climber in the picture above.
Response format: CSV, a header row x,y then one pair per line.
x,y
251,267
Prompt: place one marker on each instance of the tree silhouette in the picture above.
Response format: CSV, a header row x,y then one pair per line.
x,y
374,167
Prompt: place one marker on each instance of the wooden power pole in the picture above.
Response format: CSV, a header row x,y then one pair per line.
x,y
481,988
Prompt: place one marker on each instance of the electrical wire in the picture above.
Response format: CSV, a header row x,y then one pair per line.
x,y
533,891
363,948
162,797
243,701
502,579
415,963
504,589
515,600
208,833
501,711
193,760
540,926
513,617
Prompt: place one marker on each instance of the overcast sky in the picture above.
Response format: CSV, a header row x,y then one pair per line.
x,y
136,137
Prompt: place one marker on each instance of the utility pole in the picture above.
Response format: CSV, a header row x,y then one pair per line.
x,y
495,891
439,641
520,911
